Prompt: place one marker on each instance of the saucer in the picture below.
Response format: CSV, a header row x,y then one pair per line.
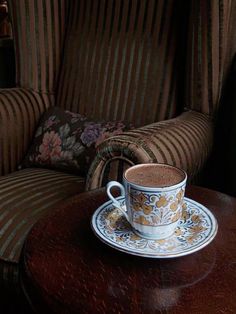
x,y
197,228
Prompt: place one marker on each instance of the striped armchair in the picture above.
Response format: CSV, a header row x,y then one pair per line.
x,y
157,64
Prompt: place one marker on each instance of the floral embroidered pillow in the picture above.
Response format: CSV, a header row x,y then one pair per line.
x,y
67,141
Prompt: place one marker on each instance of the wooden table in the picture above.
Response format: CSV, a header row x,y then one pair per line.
x,y
68,270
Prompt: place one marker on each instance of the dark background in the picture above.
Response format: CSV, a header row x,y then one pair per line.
x,y
220,170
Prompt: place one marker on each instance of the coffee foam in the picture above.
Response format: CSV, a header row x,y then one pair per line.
x,y
154,175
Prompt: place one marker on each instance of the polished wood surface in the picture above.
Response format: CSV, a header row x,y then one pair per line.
x,y
68,270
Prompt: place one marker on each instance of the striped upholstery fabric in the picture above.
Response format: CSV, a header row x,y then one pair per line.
x,y
24,197
20,111
184,142
209,52
39,30
121,59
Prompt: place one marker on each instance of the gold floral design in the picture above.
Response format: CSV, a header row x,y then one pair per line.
x,y
162,202
161,241
184,206
137,207
180,195
176,216
147,209
192,238
155,219
161,209
134,237
141,198
139,203
178,232
196,218
174,206
185,215
195,228
142,220
119,239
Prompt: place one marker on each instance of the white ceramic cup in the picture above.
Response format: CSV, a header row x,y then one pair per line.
x,y
153,211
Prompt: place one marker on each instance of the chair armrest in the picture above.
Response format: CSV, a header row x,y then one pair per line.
x,y
20,110
184,141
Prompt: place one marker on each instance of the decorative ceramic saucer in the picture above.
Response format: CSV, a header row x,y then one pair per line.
x,y
196,229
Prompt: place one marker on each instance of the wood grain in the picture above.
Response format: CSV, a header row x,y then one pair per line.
x,y
68,270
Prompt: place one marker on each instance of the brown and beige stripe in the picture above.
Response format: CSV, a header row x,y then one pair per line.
x,y
20,111
39,28
26,195
184,142
210,29
121,60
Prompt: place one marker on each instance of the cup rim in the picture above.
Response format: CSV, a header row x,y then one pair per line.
x,y
166,188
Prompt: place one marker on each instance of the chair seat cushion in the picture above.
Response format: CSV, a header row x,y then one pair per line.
x,y
24,197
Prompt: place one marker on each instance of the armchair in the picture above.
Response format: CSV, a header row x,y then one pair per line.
x,y
157,64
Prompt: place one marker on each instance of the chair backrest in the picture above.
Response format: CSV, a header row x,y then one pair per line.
x,y
38,30
136,60
122,59
211,47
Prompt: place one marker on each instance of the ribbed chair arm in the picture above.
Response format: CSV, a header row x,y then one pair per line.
x,y
20,110
184,142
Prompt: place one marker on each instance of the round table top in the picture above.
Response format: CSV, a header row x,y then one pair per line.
x,y
67,269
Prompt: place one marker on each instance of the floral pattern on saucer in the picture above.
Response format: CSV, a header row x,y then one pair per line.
x,y
196,229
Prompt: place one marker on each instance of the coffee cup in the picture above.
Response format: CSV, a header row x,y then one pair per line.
x,y
153,196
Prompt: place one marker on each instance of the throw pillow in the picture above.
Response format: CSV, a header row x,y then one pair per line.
x,y
67,141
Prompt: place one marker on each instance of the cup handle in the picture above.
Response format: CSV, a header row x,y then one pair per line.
x,y
115,202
